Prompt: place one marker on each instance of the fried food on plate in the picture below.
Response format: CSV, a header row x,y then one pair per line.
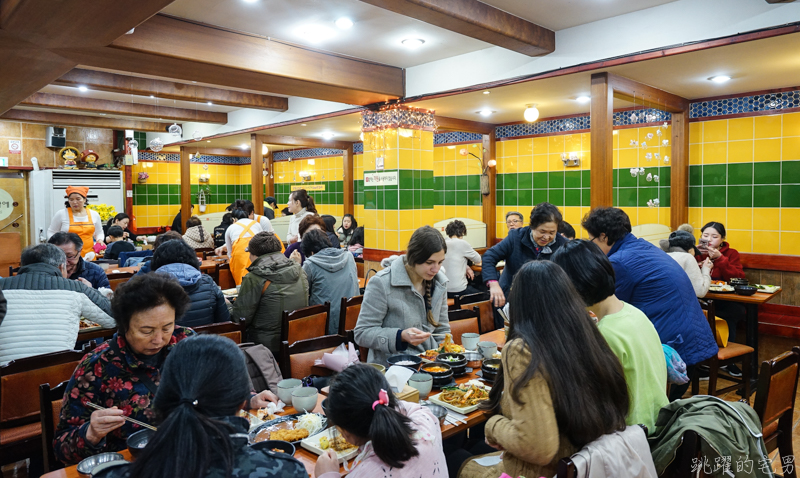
x,y
289,435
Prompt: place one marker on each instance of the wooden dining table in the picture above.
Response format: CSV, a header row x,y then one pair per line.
x,y
750,303
308,458
206,266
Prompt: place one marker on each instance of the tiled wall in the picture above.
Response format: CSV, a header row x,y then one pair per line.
x,y
101,141
745,173
324,170
456,180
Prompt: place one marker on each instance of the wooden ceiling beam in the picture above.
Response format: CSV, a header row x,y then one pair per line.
x,y
90,105
134,85
60,119
297,141
218,151
646,95
176,48
444,123
477,20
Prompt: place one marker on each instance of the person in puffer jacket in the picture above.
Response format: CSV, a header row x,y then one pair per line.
x,y
207,305
196,235
44,308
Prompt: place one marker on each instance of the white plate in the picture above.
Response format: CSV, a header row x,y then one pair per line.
x,y
463,410
768,289
312,444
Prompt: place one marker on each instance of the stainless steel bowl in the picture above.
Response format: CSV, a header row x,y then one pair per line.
x,y
86,466
439,412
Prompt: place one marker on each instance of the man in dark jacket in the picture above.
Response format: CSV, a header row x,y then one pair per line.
x,y
71,243
653,282
270,204
207,305
177,223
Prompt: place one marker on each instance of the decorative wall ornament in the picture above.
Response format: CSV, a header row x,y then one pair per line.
x,y
398,116
175,130
156,145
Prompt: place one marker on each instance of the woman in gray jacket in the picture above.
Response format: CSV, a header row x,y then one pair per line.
x,y
406,302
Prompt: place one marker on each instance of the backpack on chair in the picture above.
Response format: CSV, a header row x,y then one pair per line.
x,y
261,367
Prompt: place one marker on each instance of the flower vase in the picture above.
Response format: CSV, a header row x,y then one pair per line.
x,y
142,180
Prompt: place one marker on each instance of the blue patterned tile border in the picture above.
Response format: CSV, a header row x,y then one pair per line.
x,y
358,148
745,104
642,116
203,158
305,153
543,127
456,137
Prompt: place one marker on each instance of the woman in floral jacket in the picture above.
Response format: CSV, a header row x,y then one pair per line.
x,y
123,373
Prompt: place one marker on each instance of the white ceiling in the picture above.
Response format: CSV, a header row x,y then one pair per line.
x,y
377,33
124,98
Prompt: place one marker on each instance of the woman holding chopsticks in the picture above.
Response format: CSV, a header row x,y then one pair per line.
x,y
121,376
405,304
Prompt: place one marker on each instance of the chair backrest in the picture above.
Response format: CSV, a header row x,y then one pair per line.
x,y
298,358
116,279
50,400
360,266
486,320
777,387
463,321
306,323
12,271
234,330
348,313
224,276
20,380
710,312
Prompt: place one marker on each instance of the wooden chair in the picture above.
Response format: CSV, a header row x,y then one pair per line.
x,y
50,400
203,252
566,467
306,323
118,278
775,395
12,271
234,330
224,276
360,266
348,316
463,321
733,353
20,429
297,359
484,305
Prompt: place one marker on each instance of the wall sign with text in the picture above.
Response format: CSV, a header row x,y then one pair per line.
x,y
389,178
308,187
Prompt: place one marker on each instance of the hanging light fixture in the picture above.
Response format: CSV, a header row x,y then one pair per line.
x,y
175,130
264,150
531,113
156,145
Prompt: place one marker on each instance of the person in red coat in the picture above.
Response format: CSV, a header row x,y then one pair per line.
x,y
727,266
712,245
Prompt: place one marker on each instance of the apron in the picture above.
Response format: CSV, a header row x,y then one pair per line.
x,y
257,219
83,229
240,258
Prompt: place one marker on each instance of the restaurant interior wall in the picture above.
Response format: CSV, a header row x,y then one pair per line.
x,y
33,140
326,170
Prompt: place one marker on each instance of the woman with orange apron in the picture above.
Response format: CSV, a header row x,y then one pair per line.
x,y
240,257
79,219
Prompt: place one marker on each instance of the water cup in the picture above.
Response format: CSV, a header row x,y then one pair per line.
x,y
423,382
488,349
470,340
285,388
304,399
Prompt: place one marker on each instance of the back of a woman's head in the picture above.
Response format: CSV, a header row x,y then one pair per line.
x,y
203,378
456,228
238,213
167,236
586,380
193,221
311,220
350,406
174,252
425,242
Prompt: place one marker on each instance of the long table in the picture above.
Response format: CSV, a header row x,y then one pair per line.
x,y
309,459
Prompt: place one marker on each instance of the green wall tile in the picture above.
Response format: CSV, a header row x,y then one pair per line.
x,y
767,173
151,189
790,172
369,199
714,175
475,198
586,178
540,180
405,179
615,178
427,198
461,183
500,198
449,198
586,197
510,181
450,183
665,176
572,179
525,180
539,196
714,196
406,199
417,199
664,197
790,196
462,198
626,180
555,180
556,196
139,200
163,189
474,182
627,197
572,197
499,183
646,194
525,197
510,197
695,175
438,198
391,200
438,183
740,196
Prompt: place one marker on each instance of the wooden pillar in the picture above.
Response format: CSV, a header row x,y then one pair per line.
x,y
602,125
269,179
490,201
186,187
347,180
679,181
256,171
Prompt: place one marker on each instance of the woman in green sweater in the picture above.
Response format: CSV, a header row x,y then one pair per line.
x,y
629,333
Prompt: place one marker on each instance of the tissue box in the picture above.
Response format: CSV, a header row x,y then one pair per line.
x,y
409,394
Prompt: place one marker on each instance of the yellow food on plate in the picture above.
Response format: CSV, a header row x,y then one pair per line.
x,y
324,443
289,435
464,396
447,347
340,445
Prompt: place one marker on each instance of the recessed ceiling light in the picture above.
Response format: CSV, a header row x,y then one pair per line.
x,y
194,82
83,88
250,1
327,135
720,78
303,124
244,146
344,23
583,99
152,96
486,92
531,113
412,43
208,141
485,112
102,114
210,103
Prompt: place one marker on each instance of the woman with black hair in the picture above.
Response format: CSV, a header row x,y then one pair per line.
x,y
203,384
395,438
406,302
122,220
534,242
300,205
562,386
712,245
237,236
459,252
207,304
347,229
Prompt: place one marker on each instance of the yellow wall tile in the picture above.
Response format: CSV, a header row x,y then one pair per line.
x,y
524,164
648,215
695,154
740,218
510,148
742,241
695,133
740,128
767,150
790,148
696,219
791,124
767,126
790,219
555,144
740,151
628,158
540,163
714,131
525,147
790,243
715,153
540,146
716,214
766,219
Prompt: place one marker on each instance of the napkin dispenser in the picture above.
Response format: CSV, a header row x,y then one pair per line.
x,y
408,394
